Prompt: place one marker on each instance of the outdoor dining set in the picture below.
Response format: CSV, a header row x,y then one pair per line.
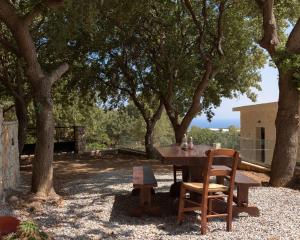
x,y
209,180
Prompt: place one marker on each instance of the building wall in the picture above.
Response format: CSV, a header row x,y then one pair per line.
x,y
256,117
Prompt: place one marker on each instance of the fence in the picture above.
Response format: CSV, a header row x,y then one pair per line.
x,y
257,150
66,139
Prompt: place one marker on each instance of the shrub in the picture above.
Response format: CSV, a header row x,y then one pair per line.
x,y
27,230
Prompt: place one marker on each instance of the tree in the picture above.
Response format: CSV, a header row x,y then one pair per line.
x,y
121,67
40,82
228,139
200,59
13,80
286,55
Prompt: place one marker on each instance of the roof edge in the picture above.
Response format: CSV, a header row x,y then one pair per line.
x,y
252,107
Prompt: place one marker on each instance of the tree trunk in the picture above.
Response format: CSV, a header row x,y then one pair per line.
x,y
182,128
21,112
150,151
287,131
179,133
42,177
41,84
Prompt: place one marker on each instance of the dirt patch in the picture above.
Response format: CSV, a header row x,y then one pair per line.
x,y
69,167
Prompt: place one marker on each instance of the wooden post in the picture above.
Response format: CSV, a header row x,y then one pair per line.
x,y
79,138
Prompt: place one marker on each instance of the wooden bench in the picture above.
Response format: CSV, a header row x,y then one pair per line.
x,y
241,199
243,183
144,180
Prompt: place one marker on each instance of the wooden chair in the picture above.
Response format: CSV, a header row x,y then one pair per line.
x,y
211,191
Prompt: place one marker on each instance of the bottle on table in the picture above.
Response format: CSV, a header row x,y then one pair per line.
x,y
190,143
184,143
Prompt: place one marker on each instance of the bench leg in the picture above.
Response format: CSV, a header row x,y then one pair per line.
x,y
145,204
242,201
242,196
251,210
145,197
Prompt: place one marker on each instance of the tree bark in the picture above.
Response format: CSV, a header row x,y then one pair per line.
x,y
150,151
150,125
293,43
22,116
181,128
287,130
42,174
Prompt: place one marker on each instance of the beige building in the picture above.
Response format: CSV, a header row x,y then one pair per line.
x,y
258,132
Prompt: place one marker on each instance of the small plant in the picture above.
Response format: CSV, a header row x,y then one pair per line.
x,y
27,230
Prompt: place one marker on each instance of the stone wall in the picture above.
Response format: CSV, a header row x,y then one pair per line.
x,y
10,160
9,156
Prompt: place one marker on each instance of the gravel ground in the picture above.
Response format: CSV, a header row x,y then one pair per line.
x,y
97,207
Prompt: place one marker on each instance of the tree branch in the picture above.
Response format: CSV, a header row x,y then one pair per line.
x,y
220,28
156,116
202,85
8,108
293,43
57,73
9,87
193,15
39,8
270,39
200,27
9,46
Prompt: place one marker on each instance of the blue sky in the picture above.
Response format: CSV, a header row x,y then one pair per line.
x,y
224,116
269,93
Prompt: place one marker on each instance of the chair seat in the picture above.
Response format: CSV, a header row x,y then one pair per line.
x,y
198,187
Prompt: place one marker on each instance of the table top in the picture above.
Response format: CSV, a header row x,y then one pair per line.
x,y
176,156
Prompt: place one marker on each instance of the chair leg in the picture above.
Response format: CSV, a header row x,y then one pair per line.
x,y
209,209
229,212
203,224
181,205
204,215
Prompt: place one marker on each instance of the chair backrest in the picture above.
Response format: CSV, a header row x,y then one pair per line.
x,y
228,154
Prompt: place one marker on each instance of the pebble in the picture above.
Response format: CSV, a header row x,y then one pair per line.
x,y
97,208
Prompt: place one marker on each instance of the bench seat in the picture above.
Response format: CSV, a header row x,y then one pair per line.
x,y
242,182
143,176
144,181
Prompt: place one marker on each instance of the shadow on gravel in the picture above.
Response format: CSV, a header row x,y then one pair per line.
x,y
124,203
166,222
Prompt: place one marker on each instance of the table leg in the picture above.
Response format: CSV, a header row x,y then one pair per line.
x,y
186,174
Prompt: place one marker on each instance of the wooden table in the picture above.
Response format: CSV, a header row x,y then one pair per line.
x,y
193,162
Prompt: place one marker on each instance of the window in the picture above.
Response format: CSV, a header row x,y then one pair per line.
x,y
260,144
